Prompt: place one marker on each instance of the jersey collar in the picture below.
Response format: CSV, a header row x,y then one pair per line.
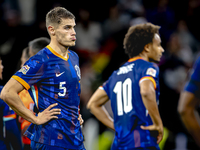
x,y
134,59
55,53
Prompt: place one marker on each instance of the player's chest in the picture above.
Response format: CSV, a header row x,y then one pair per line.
x,y
59,71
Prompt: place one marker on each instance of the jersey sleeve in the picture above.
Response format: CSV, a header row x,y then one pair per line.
x,y
151,72
31,72
193,84
105,87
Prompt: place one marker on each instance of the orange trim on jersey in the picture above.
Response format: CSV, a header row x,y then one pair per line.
x,y
20,80
149,78
134,58
55,53
36,92
10,116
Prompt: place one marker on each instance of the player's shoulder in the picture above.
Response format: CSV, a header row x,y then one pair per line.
x,y
42,55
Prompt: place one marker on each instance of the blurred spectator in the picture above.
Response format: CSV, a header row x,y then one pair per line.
x,y
164,16
181,51
115,22
132,6
192,15
27,11
89,36
138,20
186,38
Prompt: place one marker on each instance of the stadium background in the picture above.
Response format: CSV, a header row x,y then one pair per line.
x,y
101,26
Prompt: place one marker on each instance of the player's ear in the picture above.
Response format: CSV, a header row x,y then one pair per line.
x,y
51,30
147,47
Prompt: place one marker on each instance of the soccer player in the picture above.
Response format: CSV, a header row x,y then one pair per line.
x,y
2,107
189,103
53,77
134,90
37,44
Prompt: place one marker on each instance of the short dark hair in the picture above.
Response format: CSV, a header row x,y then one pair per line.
x,y
39,43
138,36
56,15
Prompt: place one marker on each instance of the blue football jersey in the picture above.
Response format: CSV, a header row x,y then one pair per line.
x,y
129,112
51,78
193,85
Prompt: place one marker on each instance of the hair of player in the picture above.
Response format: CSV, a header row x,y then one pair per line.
x,y
138,36
55,16
39,43
26,51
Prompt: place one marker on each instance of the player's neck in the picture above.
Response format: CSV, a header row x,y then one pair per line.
x,y
144,56
63,51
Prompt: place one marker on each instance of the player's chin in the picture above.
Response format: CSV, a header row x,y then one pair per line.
x,y
158,58
69,45
72,43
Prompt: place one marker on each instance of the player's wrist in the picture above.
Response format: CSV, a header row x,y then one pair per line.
x,y
36,120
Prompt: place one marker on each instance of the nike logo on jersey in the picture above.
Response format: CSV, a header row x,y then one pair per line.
x,y
59,74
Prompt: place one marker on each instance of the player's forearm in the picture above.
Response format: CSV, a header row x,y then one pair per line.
x,y
149,100
13,100
102,115
191,122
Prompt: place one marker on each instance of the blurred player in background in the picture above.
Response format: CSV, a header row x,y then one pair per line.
x,y
189,103
11,128
2,107
37,44
134,91
53,76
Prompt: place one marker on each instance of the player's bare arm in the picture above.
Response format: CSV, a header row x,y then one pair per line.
x,y
149,99
10,95
95,104
187,109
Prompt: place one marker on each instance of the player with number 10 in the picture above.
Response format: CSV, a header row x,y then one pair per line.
x,y
134,91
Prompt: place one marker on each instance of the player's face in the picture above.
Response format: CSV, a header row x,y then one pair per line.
x,y
1,69
65,33
156,49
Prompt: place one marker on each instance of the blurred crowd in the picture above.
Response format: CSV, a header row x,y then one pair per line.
x,y
100,29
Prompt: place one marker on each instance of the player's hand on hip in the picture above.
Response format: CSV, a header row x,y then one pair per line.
x,y
157,129
80,119
48,114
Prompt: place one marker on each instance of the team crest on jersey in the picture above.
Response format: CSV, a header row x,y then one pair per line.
x,y
78,71
151,72
24,69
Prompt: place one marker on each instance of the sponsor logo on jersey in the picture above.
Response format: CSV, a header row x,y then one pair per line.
x,y
24,69
78,71
59,74
151,72
125,69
